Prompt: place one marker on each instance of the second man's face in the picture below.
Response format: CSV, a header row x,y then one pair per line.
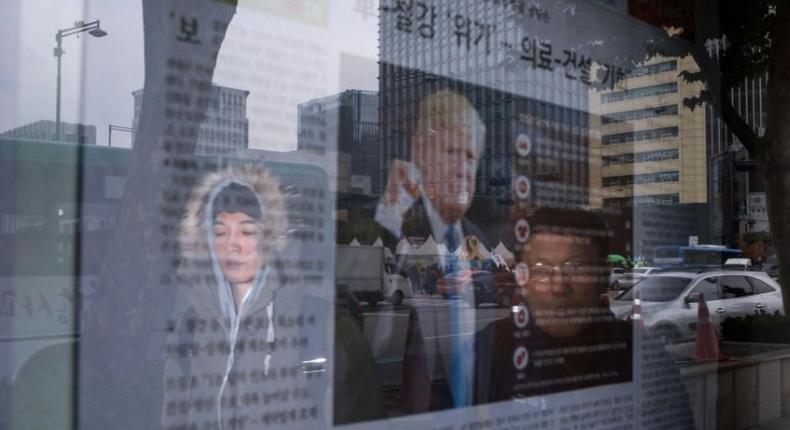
x,y
565,282
447,159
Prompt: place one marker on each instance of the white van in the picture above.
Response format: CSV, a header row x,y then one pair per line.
x,y
738,263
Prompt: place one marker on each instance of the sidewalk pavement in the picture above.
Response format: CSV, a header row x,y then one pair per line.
x,y
782,423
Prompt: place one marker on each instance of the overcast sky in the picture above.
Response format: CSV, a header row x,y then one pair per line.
x,y
99,74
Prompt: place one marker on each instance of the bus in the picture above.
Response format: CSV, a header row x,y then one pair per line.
x,y
700,255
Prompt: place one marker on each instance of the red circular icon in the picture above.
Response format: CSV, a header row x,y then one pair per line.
x,y
520,316
522,231
523,145
520,358
521,272
522,187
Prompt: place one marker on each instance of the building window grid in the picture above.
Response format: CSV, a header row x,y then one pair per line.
x,y
653,69
641,135
642,178
634,115
641,157
635,93
643,201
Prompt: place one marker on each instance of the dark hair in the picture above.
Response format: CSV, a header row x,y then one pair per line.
x,y
236,198
564,222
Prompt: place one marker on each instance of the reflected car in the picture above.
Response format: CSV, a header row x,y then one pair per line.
x,y
458,283
346,301
670,300
480,287
628,279
616,273
399,286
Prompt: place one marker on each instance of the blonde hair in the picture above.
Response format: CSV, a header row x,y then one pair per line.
x,y
446,109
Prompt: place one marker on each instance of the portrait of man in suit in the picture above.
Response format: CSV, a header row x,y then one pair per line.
x,y
430,195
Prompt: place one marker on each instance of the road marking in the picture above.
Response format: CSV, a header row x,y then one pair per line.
x,y
388,359
450,335
385,314
480,320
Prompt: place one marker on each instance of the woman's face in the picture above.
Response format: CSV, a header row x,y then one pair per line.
x,y
237,245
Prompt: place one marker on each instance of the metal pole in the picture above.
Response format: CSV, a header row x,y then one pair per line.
x,y
109,135
59,54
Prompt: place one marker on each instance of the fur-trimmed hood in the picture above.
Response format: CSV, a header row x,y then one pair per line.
x,y
193,243
197,265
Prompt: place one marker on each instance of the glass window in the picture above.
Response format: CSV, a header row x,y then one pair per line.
x,y
709,287
657,289
735,287
759,286
224,201
645,178
639,114
638,136
636,93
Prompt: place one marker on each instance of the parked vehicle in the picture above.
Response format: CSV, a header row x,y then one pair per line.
x,y
644,270
705,255
369,276
738,264
480,286
458,283
346,301
615,274
670,299
628,279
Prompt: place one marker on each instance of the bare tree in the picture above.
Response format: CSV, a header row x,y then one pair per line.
x,y
757,40
121,352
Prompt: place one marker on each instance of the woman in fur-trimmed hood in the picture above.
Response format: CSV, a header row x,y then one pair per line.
x,y
234,223
236,350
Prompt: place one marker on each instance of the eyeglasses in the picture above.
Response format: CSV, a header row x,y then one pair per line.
x,y
542,271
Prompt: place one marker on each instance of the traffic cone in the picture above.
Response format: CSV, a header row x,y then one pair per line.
x,y
636,312
707,348
415,388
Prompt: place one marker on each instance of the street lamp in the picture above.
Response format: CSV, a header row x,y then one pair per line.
x,y
94,29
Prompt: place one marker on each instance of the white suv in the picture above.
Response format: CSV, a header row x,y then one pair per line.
x,y
669,299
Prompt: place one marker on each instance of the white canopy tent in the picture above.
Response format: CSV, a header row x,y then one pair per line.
x,y
430,248
505,253
403,247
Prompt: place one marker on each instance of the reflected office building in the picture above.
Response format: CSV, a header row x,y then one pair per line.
x,y
651,160
349,122
225,128
46,130
737,193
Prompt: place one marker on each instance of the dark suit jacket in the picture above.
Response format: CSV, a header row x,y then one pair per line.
x,y
496,377
417,224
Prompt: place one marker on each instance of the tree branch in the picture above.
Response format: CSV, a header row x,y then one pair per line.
x,y
720,101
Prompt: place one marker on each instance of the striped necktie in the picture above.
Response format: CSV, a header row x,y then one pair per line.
x,y
451,241
458,380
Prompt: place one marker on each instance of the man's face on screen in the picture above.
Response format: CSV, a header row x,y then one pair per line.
x,y
565,277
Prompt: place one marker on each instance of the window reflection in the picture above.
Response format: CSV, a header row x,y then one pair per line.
x,y
482,214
